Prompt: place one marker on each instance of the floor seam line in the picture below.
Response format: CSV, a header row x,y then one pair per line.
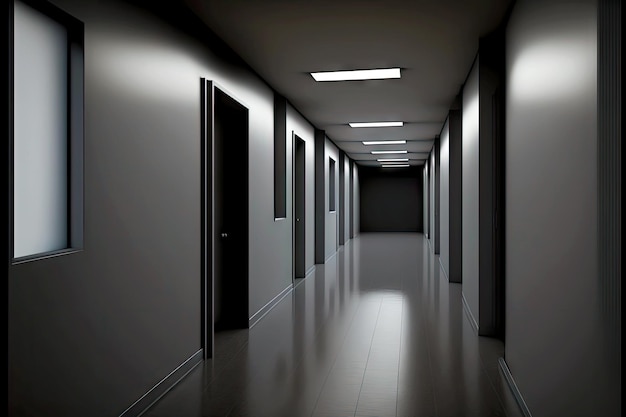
x,y
335,359
399,356
368,357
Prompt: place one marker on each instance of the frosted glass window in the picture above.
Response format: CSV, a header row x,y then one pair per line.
x,y
41,133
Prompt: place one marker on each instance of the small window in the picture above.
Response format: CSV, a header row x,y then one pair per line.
x,y
47,131
331,184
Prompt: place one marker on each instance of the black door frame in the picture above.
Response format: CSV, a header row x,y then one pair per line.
x,y
207,199
294,194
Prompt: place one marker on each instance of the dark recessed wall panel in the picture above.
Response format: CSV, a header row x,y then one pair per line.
x,y
437,194
456,192
320,197
481,123
444,198
610,188
426,199
280,156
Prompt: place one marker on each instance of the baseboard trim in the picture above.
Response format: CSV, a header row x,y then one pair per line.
x,y
468,313
163,387
299,281
513,387
443,270
308,271
331,256
256,317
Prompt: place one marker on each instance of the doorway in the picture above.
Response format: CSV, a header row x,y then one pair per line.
x,y
299,209
224,214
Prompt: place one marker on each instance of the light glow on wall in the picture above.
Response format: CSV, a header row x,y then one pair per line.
x,y
554,68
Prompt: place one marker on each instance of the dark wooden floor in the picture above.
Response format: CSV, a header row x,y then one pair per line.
x,y
377,331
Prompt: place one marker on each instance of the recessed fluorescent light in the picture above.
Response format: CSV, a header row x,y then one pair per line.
x,y
396,166
376,124
393,160
356,75
385,142
385,152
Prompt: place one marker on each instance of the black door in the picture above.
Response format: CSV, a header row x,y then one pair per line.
x,y
230,213
299,207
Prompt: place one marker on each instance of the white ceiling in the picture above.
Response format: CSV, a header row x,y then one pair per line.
x,y
434,42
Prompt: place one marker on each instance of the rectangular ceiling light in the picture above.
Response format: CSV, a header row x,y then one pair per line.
x,y
396,166
393,160
376,124
385,142
386,152
357,75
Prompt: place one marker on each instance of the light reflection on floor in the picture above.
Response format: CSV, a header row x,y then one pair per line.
x,y
376,331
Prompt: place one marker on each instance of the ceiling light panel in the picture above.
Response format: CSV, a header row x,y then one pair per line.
x,y
396,166
387,152
376,124
357,75
393,160
384,142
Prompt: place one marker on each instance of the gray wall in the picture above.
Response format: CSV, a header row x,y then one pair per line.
x,y
444,199
298,125
91,332
470,166
553,346
391,200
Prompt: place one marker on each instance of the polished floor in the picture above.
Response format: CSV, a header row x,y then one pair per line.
x,y
377,331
